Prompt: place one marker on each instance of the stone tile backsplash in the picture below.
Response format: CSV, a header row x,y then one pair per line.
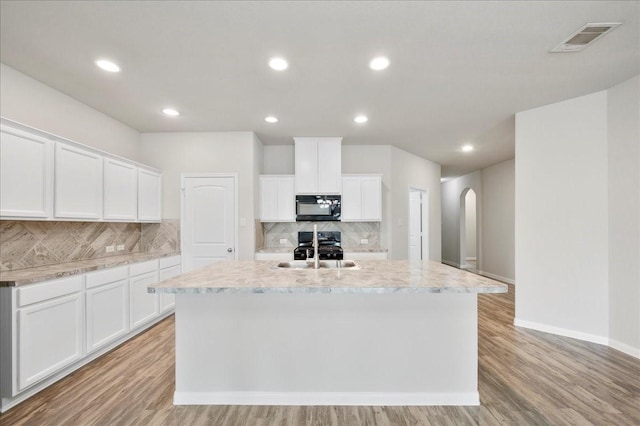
x,y
27,244
351,233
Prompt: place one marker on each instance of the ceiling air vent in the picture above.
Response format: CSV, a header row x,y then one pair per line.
x,y
585,36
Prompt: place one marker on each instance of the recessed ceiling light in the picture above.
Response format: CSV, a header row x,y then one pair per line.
x,y
278,64
379,63
170,112
467,148
361,119
271,119
108,65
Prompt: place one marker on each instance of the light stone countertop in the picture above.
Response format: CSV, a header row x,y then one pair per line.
x,y
375,276
21,277
346,249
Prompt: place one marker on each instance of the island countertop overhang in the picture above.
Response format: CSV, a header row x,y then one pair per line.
x,y
374,276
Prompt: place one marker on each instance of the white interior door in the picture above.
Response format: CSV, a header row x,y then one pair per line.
x,y
415,225
208,221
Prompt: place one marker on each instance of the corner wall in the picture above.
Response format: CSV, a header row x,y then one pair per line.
x,y
562,218
624,215
37,105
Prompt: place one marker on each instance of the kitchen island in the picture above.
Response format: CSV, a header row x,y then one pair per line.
x,y
389,333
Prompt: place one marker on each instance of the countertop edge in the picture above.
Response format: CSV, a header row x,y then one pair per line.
x,y
327,290
76,268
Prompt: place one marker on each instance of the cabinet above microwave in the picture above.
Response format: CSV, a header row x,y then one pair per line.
x,y
318,165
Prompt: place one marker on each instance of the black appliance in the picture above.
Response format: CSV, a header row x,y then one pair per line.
x,y
328,246
316,208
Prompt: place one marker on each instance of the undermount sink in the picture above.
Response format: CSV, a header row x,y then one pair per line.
x,y
323,264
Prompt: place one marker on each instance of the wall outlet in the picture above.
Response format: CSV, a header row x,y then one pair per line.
x,y
283,241
120,247
364,241
111,249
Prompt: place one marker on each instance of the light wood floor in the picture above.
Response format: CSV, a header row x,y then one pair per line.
x,y
525,378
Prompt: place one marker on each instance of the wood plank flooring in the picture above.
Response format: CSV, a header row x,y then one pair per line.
x,y
525,378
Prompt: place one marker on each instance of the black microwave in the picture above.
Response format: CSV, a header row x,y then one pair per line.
x,y
317,208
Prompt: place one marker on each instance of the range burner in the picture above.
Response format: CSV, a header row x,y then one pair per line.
x,y
328,246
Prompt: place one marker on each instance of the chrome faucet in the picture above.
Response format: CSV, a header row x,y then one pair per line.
x,y
316,254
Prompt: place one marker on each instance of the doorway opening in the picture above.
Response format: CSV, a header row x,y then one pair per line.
x,y
418,224
469,258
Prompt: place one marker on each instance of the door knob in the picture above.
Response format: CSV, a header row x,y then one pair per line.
x,y
229,249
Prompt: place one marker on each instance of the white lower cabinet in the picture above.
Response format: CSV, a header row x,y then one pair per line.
x,y
49,337
144,305
51,328
107,305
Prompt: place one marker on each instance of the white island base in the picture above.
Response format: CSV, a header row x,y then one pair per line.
x,y
326,349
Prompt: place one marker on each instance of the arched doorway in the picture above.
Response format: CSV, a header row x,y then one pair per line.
x,y
469,256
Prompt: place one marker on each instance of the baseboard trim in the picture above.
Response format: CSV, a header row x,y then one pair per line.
x,y
447,262
561,331
624,348
497,277
326,398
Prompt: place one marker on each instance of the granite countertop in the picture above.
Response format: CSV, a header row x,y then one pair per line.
x,y
49,272
375,276
347,249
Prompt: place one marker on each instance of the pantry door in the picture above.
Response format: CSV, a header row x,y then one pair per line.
x,y
208,225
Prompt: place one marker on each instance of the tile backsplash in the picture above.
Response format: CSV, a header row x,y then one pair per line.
x,y
27,244
351,232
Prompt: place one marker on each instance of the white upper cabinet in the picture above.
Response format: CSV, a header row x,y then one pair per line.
x,y
26,175
78,183
120,190
361,198
277,198
318,165
149,196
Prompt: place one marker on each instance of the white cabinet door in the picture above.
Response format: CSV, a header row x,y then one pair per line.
x,y
277,199
120,190
26,175
306,166
49,337
149,196
144,305
318,165
330,166
78,183
351,207
371,198
168,301
361,198
107,313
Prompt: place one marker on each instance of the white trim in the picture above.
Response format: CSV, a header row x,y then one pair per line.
x,y
448,262
326,398
587,337
497,277
624,348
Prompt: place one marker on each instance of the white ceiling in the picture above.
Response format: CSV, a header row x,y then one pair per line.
x,y
459,70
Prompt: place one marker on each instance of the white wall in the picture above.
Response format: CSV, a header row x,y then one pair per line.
x,y
451,216
411,171
498,221
624,215
213,152
278,160
561,218
34,104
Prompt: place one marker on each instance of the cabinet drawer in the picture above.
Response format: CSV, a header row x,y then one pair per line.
x,y
95,279
49,290
167,262
143,267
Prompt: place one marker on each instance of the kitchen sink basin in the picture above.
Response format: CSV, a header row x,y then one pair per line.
x,y
323,264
